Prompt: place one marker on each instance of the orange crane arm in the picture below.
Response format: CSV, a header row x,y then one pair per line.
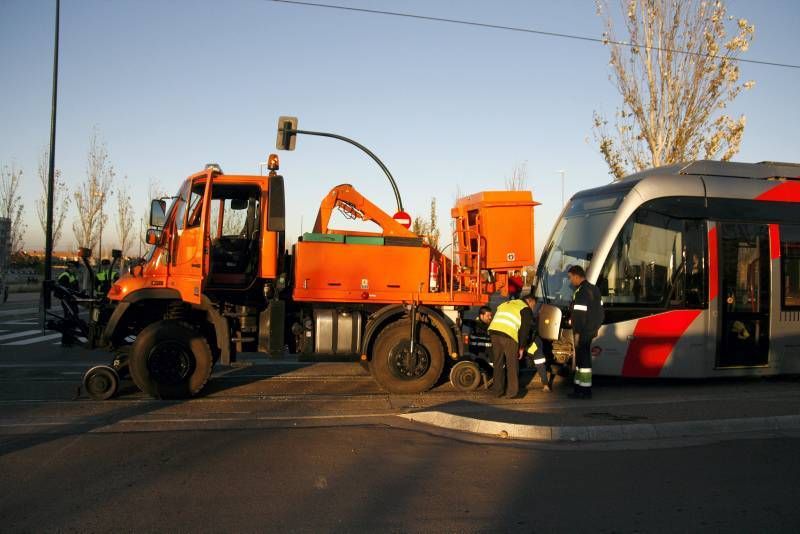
x,y
355,205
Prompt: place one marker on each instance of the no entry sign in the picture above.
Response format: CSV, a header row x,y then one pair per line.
x,y
403,218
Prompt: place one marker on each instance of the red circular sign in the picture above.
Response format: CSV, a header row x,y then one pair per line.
x,y
403,218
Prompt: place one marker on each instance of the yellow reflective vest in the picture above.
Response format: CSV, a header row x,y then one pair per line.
x,y
508,320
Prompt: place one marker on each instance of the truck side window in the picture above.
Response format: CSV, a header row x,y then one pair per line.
x,y
180,209
195,205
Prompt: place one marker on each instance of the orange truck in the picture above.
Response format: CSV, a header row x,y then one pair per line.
x,y
219,280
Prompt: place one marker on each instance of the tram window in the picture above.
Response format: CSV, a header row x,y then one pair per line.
x,y
790,266
656,261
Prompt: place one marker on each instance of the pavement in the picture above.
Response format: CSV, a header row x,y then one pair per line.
x,y
319,447
39,380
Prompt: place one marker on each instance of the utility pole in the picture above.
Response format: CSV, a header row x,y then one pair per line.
x,y
562,172
48,243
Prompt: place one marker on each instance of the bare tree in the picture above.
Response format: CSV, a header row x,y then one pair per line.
x,y
11,206
60,198
154,190
91,196
428,229
519,178
675,80
433,226
124,217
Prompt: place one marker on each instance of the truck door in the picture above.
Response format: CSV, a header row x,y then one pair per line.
x,y
188,243
744,279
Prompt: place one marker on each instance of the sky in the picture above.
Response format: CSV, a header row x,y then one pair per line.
x,y
171,85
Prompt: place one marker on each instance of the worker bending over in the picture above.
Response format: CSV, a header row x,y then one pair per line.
x,y
512,334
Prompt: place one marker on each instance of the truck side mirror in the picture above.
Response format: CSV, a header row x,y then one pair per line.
x,y
152,236
287,138
84,253
116,254
158,213
276,214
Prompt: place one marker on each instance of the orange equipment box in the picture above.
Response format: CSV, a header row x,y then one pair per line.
x,y
499,224
340,272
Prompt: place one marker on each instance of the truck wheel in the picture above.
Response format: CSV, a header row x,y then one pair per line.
x,y
398,370
169,360
466,376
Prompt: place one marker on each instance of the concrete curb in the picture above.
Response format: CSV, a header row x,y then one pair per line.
x,y
633,431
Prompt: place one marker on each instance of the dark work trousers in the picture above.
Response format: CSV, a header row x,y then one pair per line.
x,y
505,363
583,362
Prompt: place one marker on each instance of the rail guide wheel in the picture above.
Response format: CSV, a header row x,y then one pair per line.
x,y
466,376
101,382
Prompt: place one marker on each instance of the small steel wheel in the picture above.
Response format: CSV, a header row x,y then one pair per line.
x,y
465,376
101,382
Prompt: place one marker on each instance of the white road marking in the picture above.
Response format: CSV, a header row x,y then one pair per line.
x,y
33,340
20,334
20,311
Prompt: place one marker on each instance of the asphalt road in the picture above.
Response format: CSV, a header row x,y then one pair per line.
x,y
374,478
277,447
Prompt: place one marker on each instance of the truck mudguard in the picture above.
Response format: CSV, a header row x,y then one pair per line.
x,y
387,314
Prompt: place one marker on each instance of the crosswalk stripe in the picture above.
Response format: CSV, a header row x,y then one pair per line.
x,y
20,311
33,340
20,334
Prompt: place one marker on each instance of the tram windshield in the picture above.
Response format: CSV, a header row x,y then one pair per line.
x,y
577,233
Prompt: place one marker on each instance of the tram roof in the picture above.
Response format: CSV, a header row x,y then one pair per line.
x,y
762,170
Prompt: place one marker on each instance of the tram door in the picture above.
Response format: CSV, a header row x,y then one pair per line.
x,y
745,295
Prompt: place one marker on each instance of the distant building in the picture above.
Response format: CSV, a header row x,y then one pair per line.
x,y
5,243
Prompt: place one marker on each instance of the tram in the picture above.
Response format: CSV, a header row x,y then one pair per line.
x,y
698,265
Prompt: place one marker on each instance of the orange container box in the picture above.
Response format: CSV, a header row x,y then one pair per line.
x,y
504,221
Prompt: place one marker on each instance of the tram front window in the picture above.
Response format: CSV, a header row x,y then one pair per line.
x,y
574,240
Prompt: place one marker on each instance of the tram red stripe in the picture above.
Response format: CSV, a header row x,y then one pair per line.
x,y
713,265
654,338
774,241
785,192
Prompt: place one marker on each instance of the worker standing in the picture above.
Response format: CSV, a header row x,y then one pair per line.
x,y
69,278
105,277
511,332
587,317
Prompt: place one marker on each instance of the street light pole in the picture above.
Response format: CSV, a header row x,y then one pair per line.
x,y
562,172
48,243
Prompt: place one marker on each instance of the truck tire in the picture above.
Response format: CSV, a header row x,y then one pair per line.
x,y
169,360
393,366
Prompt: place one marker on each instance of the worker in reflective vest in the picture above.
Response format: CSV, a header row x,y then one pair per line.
x,y
586,316
69,277
511,332
105,277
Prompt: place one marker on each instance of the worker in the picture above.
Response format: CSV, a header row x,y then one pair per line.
x,y
105,277
479,340
480,325
69,277
537,354
514,285
587,317
511,333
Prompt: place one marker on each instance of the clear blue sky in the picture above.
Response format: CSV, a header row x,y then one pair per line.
x,y
173,85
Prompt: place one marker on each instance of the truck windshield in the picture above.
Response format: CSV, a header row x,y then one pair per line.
x,y
577,233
